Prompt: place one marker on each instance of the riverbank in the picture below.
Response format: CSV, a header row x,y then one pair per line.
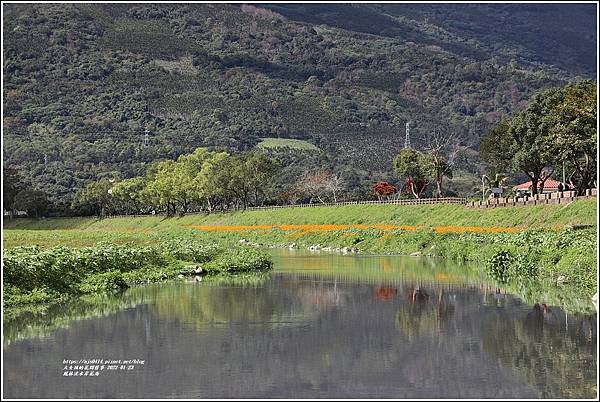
x,y
35,276
544,253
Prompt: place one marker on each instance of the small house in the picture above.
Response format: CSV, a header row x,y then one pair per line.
x,y
550,186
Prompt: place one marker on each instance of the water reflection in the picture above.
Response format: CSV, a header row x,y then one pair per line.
x,y
40,321
321,334
422,314
392,269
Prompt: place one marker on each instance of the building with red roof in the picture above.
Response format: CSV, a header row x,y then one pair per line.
x,y
550,186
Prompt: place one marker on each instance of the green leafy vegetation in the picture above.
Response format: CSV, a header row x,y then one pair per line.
x,y
240,261
122,229
52,275
203,180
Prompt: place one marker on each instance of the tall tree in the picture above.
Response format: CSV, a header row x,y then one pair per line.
x,y
383,190
34,202
558,125
573,133
260,171
534,154
441,149
497,148
238,185
212,181
130,194
163,186
334,183
12,183
414,167
319,184
95,197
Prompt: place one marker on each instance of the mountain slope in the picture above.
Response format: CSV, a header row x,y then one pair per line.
x,y
553,34
83,81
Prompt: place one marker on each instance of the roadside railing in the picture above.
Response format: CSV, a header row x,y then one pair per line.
x,y
562,197
416,201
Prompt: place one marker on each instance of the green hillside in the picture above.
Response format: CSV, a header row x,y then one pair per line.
x,y
83,81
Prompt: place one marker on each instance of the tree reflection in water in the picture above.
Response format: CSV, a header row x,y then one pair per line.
x,y
385,293
558,366
558,359
422,314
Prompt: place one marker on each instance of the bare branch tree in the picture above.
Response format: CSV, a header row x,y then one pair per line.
x,y
319,183
442,147
334,183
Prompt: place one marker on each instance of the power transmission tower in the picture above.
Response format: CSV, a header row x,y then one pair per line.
x,y
146,137
407,137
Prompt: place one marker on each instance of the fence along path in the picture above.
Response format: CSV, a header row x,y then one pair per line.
x,y
564,197
418,201
539,199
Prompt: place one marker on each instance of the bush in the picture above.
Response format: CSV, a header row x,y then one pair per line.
x,y
29,268
13,296
497,266
240,260
154,274
109,257
505,266
111,281
33,275
525,266
190,250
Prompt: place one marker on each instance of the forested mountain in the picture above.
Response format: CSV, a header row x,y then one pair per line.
x,y
532,34
83,81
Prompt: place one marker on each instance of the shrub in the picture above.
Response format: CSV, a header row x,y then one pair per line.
x,y
111,281
240,260
33,275
29,268
190,250
497,266
525,266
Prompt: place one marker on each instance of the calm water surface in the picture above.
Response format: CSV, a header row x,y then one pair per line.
x,y
320,325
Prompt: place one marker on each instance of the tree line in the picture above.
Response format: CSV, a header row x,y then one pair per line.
x,y
204,181
555,131
83,82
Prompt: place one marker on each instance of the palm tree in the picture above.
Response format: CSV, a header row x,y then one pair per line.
x,y
498,180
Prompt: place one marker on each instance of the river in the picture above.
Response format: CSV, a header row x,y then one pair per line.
x,y
318,326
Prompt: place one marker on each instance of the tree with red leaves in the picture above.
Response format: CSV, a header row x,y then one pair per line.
x,y
383,190
385,293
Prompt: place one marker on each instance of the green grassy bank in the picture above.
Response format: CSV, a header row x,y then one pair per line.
x,y
549,260
581,212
